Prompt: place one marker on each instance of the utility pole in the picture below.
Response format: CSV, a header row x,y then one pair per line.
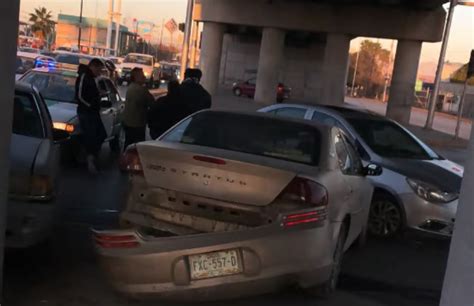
x,y
80,27
187,37
469,75
439,69
108,43
194,44
355,73
118,15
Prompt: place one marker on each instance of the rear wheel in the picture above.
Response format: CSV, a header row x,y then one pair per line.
x,y
237,92
386,218
327,288
280,100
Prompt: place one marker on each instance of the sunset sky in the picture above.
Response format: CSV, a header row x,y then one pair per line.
x,y
460,44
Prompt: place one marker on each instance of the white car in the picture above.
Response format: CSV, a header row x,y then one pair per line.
x,y
143,61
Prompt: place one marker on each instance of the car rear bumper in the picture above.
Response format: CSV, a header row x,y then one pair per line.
x,y
159,267
431,218
28,223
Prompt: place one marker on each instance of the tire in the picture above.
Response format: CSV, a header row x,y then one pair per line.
x,y
117,144
120,82
386,217
326,289
237,92
280,100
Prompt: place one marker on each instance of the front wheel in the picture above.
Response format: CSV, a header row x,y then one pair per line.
x,y
237,92
386,218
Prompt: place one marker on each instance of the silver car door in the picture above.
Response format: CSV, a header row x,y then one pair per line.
x,y
107,111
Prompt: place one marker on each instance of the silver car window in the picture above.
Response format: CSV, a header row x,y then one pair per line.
x,y
26,118
348,158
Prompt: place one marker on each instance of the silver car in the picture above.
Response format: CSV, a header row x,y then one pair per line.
x,y
34,160
57,86
418,189
231,204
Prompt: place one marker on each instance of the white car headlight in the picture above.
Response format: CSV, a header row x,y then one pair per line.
x,y
147,74
431,193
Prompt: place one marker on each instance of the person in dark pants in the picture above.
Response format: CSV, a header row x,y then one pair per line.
x,y
137,102
88,98
163,113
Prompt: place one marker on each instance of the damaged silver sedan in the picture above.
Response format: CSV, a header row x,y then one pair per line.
x,y
229,204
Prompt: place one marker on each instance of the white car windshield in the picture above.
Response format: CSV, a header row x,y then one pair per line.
x,y
53,87
137,59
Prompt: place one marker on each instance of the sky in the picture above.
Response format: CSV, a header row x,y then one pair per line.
x,y
460,44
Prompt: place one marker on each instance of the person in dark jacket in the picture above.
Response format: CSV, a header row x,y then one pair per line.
x,y
192,96
163,113
88,98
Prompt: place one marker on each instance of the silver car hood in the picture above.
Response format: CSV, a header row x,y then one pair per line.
x,y
63,112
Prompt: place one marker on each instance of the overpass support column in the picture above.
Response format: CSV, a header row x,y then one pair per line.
x,y
402,89
212,38
269,64
336,61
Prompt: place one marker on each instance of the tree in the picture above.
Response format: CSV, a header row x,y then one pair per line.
x,y
372,68
42,24
459,76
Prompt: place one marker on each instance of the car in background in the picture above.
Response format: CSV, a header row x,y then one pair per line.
x,y
143,61
209,209
71,61
418,189
169,71
29,50
248,87
25,61
116,60
57,86
34,158
52,54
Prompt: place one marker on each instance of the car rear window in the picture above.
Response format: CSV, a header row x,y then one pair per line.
x,y
26,118
256,135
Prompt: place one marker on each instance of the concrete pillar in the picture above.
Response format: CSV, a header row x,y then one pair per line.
x,y
402,89
459,278
212,38
336,61
269,64
9,14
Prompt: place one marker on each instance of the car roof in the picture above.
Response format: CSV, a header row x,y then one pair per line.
x,y
27,54
140,54
346,112
320,126
64,72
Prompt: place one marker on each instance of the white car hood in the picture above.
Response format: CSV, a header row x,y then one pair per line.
x,y
133,65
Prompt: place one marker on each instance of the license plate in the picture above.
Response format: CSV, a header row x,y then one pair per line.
x,y
215,264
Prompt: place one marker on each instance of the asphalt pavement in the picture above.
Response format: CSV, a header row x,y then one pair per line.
x,y
64,271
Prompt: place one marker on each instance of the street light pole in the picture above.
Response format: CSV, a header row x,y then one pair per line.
x,y
187,37
80,27
439,69
355,73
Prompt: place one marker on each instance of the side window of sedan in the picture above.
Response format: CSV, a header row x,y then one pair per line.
x,y
324,119
348,158
26,118
290,112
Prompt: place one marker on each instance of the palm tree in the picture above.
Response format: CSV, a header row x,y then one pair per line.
x,y
42,24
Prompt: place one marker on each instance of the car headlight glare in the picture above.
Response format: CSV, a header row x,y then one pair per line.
x,y
64,126
431,193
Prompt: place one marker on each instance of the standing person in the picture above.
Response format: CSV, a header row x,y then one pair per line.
x,y
193,97
88,98
163,113
137,102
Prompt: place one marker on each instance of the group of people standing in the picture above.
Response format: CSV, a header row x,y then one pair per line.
x,y
141,108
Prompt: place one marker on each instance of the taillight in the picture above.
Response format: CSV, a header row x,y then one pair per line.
x,y
130,162
208,159
306,192
114,241
310,201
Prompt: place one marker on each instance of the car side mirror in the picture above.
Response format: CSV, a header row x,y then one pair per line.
x,y
60,136
372,170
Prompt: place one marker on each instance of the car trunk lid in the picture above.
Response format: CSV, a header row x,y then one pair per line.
x,y
205,172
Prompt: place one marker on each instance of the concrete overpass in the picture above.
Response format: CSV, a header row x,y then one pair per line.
x,y
305,43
